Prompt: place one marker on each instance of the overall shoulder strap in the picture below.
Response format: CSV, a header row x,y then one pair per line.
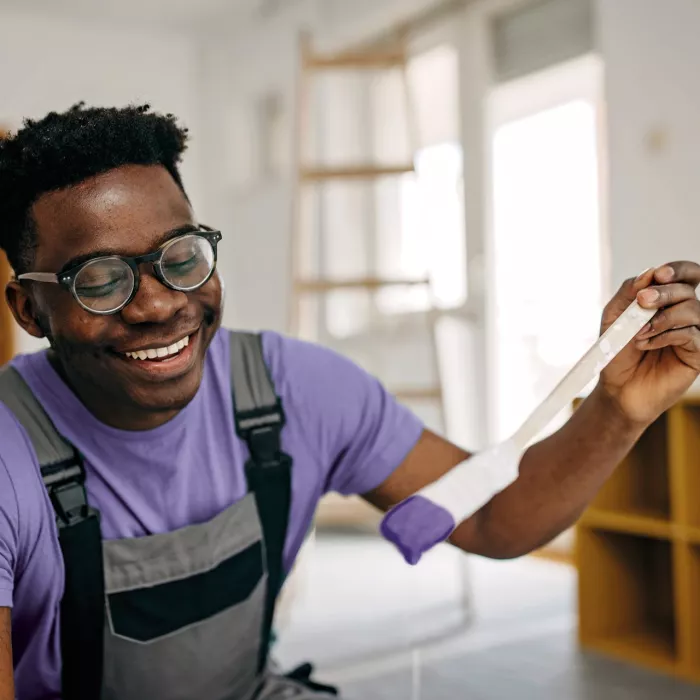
x,y
82,605
259,418
51,449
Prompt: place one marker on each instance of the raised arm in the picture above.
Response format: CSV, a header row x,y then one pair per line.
x,y
558,476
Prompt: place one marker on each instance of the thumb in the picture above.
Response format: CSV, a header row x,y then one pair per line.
x,y
625,296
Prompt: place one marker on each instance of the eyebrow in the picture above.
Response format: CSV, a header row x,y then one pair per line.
x,y
105,253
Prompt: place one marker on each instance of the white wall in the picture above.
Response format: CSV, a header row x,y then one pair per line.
x,y
255,219
652,55
49,64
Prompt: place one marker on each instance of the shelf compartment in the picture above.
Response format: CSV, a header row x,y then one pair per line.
x,y
684,433
640,484
643,524
687,559
691,534
626,597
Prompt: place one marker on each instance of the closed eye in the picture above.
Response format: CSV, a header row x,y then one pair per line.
x,y
183,266
98,290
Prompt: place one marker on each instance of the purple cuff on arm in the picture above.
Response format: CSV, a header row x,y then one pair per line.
x,y
416,525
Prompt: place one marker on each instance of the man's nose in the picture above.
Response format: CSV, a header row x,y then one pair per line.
x,y
154,302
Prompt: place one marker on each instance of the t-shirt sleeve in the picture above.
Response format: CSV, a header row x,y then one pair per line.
x,y
360,431
9,510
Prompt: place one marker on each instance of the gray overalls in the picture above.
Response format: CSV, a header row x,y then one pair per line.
x,y
185,615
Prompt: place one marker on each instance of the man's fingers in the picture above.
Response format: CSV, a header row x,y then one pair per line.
x,y
687,338
625,295
643,279
665,295
655,288
684,314
630,287
679,271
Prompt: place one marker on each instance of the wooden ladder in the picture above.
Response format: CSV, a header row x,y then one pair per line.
x,y
393,56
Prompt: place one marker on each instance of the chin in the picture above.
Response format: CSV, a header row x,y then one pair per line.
x,y
171,395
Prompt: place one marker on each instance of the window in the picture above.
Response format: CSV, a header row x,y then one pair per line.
x,y
548,280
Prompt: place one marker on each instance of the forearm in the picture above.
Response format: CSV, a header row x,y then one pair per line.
x,y
558,477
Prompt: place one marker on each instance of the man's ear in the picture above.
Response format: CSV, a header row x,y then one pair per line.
x,y
23,308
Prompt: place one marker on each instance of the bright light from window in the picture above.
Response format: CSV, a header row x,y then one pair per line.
x,y
547,252
432,237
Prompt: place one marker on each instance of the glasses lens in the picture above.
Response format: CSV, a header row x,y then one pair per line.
x,y
188,262
104,285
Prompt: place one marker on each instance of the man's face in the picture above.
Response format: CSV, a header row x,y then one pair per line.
x,y
128,211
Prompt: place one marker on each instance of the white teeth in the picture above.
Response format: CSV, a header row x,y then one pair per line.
x,y
153,353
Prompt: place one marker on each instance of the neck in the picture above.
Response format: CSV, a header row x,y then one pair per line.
x,y
112,414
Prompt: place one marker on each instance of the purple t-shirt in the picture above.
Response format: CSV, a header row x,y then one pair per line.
x,y
344,432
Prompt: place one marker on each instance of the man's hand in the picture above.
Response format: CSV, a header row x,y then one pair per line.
x,y
661,363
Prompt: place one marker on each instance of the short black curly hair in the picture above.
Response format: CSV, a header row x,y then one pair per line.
x,y
63,149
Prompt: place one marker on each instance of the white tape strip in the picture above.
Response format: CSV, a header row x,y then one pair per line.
x,y
472,484
601,353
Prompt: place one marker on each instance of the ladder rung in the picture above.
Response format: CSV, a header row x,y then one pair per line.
x,y
362,172
432,393
327,285
358,61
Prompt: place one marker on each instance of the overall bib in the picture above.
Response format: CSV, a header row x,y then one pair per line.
x,y
184,615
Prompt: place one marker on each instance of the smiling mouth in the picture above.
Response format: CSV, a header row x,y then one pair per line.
x,y
159,354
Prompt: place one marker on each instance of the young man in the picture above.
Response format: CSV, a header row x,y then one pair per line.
x,y
204,498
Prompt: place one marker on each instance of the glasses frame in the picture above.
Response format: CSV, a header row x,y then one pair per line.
x,y
66,278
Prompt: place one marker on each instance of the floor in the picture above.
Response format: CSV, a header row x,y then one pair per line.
x,y
382,630
544,668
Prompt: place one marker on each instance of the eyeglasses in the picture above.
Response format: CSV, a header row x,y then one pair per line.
x,y
105,285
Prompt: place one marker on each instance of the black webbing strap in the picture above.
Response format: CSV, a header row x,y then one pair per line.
x,y
82,609
259,421
272,488
83,602
80,538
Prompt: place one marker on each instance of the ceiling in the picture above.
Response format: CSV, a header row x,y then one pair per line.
x,y
179,14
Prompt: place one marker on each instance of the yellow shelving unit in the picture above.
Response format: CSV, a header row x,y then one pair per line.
x,y
638,551
7,324
6,321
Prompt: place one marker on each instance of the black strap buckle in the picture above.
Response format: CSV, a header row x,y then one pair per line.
x,y
65,483
268,416
303,673
261,429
